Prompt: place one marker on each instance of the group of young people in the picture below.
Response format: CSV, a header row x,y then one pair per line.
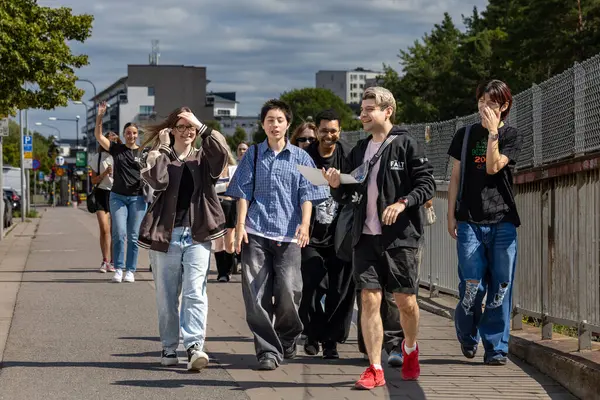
x,y
309,251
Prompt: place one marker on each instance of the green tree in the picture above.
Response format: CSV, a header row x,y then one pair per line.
x,y
238,137
37,67
11,149
216,125
308,102
260,135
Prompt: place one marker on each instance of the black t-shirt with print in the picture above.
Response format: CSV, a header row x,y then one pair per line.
x,y
325,215
126,173
487,199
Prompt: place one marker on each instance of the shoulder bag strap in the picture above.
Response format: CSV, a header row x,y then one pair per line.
x,y
463,165
377,155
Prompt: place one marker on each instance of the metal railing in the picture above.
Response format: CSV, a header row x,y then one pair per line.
x,y
558,268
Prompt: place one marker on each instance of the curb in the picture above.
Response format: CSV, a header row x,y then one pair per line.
x,y
579,376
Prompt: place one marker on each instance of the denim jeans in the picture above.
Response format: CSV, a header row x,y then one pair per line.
x,y
183,270
272,269
127,213
487,257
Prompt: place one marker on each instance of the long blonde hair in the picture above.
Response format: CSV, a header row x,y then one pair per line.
x,y
151,131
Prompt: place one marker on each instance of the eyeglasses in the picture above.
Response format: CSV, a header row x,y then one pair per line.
x,y
183,128
305,139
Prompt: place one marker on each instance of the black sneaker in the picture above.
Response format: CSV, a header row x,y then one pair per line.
x,y
267,364
311,347
330,351
496,361
290,352
168,358
468,352
197,359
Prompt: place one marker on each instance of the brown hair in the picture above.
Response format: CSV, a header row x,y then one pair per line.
x,y
151,131
300,129
107,135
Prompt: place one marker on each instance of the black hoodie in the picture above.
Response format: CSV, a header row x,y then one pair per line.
x,y
404,173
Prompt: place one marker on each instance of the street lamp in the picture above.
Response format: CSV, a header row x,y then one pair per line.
x,y
83,103
51,127
76,120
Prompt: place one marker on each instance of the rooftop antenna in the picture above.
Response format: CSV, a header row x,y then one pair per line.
x,y
155,55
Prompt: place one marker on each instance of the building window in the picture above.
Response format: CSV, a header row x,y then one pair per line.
x,y
146,110
151,91
223,112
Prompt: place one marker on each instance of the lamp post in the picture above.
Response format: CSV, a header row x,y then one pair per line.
x,y
51,127
83,103
76,120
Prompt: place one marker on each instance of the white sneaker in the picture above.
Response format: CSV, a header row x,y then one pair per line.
x,y
197,359
104,267
129,277
118,276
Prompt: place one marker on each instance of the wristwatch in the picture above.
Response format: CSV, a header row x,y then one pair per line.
x,y
493,136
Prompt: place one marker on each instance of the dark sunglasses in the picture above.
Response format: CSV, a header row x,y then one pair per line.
x,y
305,139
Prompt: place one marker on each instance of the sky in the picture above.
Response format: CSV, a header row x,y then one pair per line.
x,y
257,48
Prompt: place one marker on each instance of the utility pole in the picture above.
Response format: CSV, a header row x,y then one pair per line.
x,y
21,127
28,171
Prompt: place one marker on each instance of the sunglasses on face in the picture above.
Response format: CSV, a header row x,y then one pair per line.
x,y
305,139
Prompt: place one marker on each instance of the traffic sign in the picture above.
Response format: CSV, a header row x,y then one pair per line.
x,y
28,154
27,163
36,164
60,172
41,175
60,160
4,127
81,159
28,147
27,140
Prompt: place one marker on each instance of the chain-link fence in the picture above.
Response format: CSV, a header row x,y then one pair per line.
x,y
558,119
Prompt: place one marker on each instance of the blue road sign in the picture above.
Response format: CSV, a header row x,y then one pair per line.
x,y
41,175
27,140
36,164
27,147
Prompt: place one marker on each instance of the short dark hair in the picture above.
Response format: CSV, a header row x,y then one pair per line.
x,y
275,104
328,115
499,92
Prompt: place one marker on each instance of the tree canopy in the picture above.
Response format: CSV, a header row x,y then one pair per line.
x,y
37,68
521,42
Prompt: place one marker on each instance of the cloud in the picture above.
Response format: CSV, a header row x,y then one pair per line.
x,y
257,48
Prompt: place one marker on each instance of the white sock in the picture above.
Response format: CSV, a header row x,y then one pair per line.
x,y
409,350
377,366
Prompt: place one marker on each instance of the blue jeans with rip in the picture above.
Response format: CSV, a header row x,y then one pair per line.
x,y
183,270
126,213
487,257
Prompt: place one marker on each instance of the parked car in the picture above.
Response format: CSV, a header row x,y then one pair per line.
x,y
14,197
8,210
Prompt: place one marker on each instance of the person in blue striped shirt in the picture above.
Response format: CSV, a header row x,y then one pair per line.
x,y
274,212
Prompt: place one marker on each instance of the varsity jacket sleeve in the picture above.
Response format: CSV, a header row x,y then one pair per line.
x,y
214,151
343,193
155,173
421,174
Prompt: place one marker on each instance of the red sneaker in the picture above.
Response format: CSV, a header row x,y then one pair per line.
x,y
370,378
411,370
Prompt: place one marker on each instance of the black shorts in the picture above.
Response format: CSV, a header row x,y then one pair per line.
x,y
230,211
394,270
102,199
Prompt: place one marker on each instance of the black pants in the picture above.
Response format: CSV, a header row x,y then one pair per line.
x,y
225,263
323,274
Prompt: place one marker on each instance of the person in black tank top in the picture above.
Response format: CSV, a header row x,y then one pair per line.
x,y
127,206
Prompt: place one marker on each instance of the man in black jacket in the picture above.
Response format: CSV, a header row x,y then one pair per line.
x,y
387,227
323,273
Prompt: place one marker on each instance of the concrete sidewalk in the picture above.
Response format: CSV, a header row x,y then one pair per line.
x,y
75,335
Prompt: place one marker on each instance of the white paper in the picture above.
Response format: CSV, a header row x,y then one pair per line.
x,y
315,176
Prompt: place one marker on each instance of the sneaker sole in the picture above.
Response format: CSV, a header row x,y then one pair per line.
x,y
128,281
395,363
116,280
360,386
197,363
410,378
167,362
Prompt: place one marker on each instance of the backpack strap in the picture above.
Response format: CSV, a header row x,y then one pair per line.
x,y
463,166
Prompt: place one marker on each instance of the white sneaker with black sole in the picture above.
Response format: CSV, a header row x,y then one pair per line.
x,y
169,357
197,359
118,276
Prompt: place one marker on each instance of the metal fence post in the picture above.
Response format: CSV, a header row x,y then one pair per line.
x,y
547,255
579,83
536,92
584,341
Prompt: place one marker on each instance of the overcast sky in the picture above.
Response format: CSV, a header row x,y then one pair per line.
x,y
257,48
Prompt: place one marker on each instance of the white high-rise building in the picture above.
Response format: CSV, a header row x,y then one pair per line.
x,y
348,85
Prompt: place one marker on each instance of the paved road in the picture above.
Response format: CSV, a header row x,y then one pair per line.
x,y
74,335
